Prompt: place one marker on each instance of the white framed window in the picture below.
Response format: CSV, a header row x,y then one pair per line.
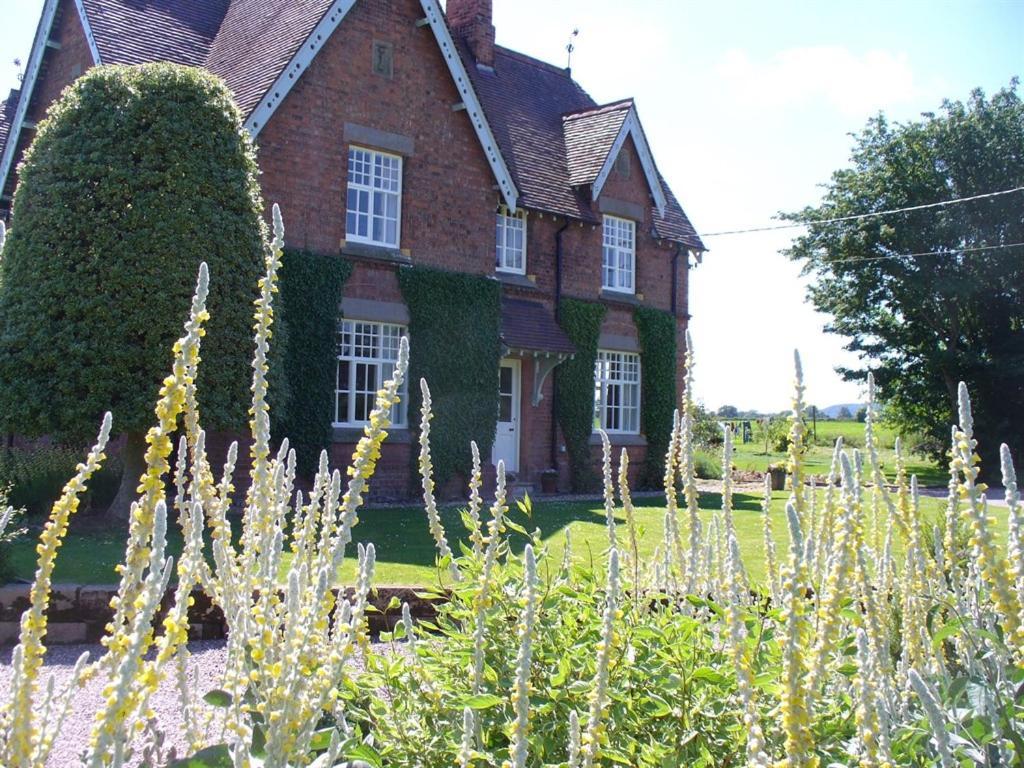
x,y
367,354
618,271
511,242
617,392
374,197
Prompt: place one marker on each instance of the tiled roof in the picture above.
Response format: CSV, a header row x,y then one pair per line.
x,y
589,136
524,100
7,110
528,326
675,224
137,31
552,135
257,40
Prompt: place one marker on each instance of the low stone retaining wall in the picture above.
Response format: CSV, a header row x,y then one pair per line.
x,y
79,614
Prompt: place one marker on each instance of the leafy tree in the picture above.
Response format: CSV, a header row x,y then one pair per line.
x,y
844,414
136,176
935,296
728,412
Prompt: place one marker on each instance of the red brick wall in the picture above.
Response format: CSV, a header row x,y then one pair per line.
x,y
59,69
449,197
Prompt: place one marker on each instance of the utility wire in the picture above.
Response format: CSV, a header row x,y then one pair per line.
x,y
948,252
799,225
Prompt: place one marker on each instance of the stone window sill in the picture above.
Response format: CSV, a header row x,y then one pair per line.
x,y
516,280
377,253
617,297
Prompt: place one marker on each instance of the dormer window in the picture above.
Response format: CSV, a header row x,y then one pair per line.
x,y
511,242
618,271
374,198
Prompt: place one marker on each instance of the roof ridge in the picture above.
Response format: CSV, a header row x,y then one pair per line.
x,y
534,61
613,106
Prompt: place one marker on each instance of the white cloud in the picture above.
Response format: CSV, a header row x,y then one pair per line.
x,y
854,84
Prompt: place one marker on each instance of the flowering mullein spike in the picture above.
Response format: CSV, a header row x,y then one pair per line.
x,y
3,236
520,743
599,692
574,740
608,488
475,501
426,468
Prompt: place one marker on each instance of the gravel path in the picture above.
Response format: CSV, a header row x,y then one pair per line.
x,y
207,669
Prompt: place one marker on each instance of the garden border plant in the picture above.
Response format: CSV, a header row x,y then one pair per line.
x,y
852,653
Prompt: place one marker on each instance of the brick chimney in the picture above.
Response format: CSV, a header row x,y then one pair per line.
x,y
474,20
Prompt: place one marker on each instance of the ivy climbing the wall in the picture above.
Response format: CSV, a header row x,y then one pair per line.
x,y
574,380
455,344
657,331
311,287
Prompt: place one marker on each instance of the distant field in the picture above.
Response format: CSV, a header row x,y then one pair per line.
x,y
751,456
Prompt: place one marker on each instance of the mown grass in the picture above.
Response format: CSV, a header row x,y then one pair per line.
x,y
405,550
822,439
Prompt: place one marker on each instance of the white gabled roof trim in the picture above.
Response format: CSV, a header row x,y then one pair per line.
x,y
299,63
631,127
474,109
90,38
35,62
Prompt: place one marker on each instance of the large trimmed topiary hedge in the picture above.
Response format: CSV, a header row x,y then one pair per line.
x,y
136,176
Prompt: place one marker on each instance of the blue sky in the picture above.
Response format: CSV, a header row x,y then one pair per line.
x,y
748,107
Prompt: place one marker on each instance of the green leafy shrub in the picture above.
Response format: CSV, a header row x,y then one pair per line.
x,y
136,175
311,288
574,384
708,466
467,322
8,518
657,331
34,478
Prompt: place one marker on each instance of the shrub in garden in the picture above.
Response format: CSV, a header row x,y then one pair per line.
x,y
36,476
136,176
855,651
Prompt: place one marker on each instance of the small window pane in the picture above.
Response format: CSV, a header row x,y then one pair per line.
x,y
374,200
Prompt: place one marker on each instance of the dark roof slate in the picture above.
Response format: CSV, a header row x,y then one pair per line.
x,y
553,136
524,100
589,136
7,109
139,31
257,40
529,326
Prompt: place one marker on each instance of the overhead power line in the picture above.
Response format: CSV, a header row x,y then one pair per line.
x,y
948,252
799,225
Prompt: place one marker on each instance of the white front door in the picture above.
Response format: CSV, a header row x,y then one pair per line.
x,y
506,441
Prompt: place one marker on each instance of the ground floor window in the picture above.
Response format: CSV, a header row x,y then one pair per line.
x,y
617,392
367,354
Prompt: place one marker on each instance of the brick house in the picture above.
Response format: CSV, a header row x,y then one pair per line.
x,y
366,113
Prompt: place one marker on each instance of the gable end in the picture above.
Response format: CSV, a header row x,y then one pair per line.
x,y
474,109
632,128
35,62
299,63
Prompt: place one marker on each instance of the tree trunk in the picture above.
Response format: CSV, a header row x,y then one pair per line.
x,y
134,463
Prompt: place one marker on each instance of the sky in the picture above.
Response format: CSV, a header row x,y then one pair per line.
x,y
748,107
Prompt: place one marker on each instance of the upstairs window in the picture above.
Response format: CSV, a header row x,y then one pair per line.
x,y
374,197
618,271
367,354
617,392
511,241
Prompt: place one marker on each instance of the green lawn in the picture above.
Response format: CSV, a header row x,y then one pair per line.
x,y
405,550
751,456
